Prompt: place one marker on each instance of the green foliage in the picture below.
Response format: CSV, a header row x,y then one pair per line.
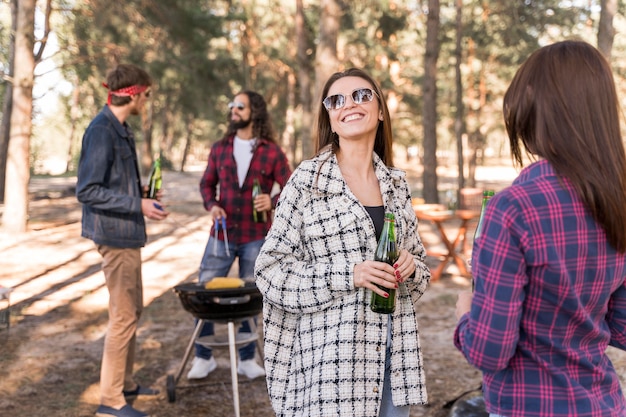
x,y
200,53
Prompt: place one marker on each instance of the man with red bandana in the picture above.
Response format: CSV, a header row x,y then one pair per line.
x,y
247,152
114,207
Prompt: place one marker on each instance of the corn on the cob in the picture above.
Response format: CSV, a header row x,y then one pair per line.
x,y
224,282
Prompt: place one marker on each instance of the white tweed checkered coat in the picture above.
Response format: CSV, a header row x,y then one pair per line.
x,y
324,347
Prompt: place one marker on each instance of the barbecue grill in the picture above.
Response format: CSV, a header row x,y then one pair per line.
x,y
227,305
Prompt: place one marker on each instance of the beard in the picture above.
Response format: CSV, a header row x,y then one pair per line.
x,y
239,124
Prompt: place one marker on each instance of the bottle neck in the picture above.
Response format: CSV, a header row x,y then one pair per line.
x,y
388,229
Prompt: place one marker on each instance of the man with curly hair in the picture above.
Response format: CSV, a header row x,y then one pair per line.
x,y
247,153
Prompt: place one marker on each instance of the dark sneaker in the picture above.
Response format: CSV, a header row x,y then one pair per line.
x,y
126,411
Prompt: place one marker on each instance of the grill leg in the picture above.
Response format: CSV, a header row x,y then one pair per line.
x,y
233,365
196,332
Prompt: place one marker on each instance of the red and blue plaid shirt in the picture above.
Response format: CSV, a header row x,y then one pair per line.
x,y
220,185
550,297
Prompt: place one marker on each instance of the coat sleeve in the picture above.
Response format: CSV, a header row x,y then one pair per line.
x,y
283,273
412,242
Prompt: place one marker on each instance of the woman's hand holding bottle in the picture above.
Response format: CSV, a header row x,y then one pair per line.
x,y
376,274
405,265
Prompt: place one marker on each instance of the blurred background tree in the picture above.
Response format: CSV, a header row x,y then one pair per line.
x,y
445,111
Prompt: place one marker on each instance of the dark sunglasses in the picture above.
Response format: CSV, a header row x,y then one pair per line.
x,y
147,93
237,104
359,96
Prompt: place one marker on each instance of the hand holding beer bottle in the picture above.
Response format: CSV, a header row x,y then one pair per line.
x,y
155,180
258,216
387,251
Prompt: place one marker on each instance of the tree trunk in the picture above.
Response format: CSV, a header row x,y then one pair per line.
x,y
326,62
167,128
304,79
472,116
288,133
15,214
188,139
74,110
606,32
5,128
430,189
459,123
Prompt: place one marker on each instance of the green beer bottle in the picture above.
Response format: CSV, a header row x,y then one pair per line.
x,y
156,180
487,194
387,251
258,216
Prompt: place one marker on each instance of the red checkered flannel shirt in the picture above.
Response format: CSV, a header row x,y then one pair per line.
x,y
220,185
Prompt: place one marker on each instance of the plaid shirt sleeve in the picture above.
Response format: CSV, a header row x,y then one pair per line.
x,y
499,294
208,183
616,318
280,170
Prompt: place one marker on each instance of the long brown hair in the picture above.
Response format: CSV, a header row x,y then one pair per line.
x,y
562,106
262,126
384,136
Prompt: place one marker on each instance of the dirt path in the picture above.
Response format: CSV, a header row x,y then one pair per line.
x,y
50,356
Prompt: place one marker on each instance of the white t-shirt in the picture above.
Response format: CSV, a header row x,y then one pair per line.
x,y
242,151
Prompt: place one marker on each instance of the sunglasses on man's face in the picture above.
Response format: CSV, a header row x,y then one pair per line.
x,y
359,96
237,104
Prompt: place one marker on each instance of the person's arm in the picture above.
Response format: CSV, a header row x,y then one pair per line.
x,y
616,318
281,173
284,276
210,178
419,279
278,172
97,156
488,335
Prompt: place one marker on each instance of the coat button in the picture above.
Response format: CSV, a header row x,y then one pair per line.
x,y
377,348
376,390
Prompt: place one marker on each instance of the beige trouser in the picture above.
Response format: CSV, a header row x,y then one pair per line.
x,y
122,271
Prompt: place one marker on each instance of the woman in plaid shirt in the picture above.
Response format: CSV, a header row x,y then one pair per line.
x,y
550,264
326,352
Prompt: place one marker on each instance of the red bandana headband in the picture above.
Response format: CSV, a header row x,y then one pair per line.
x,y
133,90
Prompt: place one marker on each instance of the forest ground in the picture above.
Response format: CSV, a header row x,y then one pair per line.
x,y
50,355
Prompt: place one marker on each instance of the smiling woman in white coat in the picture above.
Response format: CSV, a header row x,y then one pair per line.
x,y
326,352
